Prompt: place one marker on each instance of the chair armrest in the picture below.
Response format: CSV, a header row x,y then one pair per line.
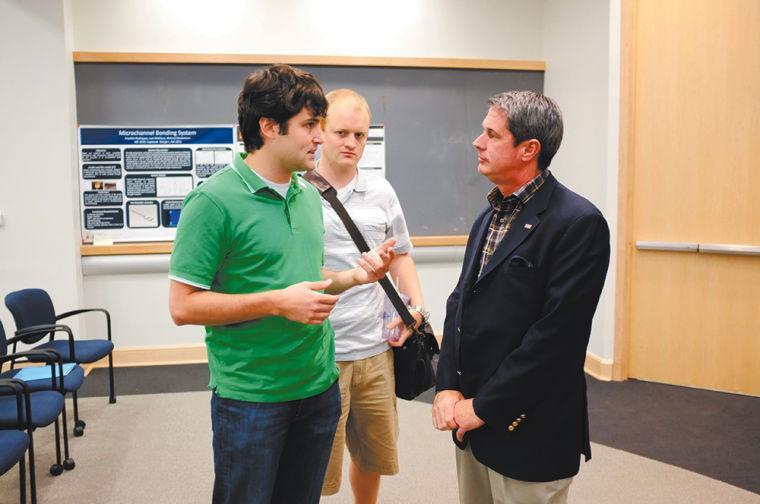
x,y
16,386
18,389
42,329
87,310
21,391
51,357
49,354
39,329
54,356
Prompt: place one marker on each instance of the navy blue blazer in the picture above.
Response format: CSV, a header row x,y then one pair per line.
x,y
515,337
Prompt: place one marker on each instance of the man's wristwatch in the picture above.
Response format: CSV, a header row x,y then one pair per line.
x,y
422,311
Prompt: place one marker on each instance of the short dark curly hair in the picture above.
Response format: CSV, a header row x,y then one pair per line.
x,y
277,92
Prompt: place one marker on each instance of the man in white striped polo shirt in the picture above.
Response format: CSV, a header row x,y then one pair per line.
x,y
364,357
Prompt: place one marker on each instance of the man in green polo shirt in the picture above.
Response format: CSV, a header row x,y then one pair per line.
x,y
248,265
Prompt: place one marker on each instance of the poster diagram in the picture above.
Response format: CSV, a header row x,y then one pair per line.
x,y
133,180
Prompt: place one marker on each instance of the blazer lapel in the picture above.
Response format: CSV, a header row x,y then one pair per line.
x,y
526,222
471,268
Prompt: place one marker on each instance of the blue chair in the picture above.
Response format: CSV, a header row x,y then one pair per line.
x,y
14,443
35,318
71,381
47,402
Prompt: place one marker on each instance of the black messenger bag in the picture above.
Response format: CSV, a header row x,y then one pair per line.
x,y
414,362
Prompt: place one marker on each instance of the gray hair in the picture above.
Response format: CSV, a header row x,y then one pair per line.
x,y
532,115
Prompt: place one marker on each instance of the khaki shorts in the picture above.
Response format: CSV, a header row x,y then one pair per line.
x,y
368,422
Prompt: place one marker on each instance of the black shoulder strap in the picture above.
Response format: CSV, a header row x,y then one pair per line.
x,y
329,193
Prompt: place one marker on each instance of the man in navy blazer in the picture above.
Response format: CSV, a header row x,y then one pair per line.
x,y
511,385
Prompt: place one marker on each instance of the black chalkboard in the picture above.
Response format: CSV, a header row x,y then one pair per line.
x,y
431,117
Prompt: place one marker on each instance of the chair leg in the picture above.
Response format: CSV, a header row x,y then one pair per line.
x,y
56,469
22,480
68,462
32,478
79,425
112,398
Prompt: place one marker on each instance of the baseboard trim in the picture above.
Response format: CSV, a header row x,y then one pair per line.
x,y
154,356
599,368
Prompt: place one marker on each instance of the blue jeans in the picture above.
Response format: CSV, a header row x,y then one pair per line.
x,y
272,452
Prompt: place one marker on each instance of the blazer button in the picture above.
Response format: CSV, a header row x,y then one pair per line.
x,y
514,424
510,428
523,416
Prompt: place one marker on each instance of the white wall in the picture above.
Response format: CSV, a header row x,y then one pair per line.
x,y
136,290
39,238
138,303
577,52
500,29
573,37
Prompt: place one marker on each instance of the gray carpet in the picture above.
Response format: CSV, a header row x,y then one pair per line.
x,y
156,448
711,433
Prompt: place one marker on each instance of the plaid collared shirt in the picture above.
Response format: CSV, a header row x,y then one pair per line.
x,y
505,211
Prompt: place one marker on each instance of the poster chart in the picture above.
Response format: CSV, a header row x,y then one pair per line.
x,y
133,180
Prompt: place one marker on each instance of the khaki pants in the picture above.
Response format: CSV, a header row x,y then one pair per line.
x,y
368,422
480,485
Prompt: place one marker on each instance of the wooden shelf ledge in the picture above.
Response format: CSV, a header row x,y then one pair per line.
x,y
291,59
166,247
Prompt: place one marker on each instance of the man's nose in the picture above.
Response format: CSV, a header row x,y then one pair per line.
x,y
476,143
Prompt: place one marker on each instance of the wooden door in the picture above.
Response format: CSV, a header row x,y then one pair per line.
x,y
690,162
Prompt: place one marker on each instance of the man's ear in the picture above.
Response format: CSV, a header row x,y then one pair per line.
x,y
268,127
530,149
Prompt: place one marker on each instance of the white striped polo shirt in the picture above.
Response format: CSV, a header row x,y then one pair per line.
x,y
357,318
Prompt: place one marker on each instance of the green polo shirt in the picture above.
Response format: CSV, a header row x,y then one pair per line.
x,y
236,235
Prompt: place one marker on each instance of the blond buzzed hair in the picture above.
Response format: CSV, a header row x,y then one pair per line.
x,y
346,94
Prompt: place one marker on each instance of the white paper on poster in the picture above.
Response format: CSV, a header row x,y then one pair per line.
x,y
173,186
223,157
373,159
102,240
204,157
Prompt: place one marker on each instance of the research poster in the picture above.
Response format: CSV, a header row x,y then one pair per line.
x,y
133,179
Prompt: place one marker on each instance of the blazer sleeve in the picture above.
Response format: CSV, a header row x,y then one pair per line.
x,y
555,345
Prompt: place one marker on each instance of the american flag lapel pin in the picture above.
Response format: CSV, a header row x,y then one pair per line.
x,y
528,226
